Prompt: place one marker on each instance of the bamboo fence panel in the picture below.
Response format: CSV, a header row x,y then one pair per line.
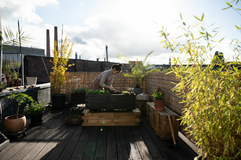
x,y
74,80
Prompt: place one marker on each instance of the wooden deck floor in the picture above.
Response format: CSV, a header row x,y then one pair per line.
x,y
56,140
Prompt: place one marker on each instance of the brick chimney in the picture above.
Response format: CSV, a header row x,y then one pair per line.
x,y
56,36
47,43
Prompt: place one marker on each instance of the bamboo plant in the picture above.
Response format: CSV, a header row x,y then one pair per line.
x,y
212,97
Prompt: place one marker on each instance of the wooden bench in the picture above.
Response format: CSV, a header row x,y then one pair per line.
x,y
163,122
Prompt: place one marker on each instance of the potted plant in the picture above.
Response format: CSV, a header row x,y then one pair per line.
x,y
78,95
139,69
17,122
159,99
57,78
6,69
35,111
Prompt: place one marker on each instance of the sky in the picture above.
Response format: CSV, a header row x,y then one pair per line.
x,y
127,27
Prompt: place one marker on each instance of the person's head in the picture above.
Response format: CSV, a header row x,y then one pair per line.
x,y
116,68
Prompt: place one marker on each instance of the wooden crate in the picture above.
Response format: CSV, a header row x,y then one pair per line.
x,y
160,123
115,118
141,104
113,101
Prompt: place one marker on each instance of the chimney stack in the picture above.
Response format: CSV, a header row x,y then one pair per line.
x,y
56,36
47,43
106,47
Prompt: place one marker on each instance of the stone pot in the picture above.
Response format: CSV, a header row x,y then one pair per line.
x,y
11,124
58,101
36,119
159,105
137,91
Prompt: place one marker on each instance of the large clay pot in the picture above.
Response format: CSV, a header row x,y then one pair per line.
x,y
159,105
58,101
11,124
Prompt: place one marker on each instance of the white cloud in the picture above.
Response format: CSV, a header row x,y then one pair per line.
x,y
23,10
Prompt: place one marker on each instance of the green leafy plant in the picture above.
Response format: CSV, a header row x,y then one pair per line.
x,y
80,90
34,109
14,75
92,91
212,97
158,94
20,98
104,92
139,69
125,93
60,60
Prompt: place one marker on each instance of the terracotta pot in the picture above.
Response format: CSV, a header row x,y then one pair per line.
x,y
8,78
159,105
12,124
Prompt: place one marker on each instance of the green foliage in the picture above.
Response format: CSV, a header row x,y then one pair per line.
x,y
80,90
60,60
158,94
14,75
95,92
104,92
138,70
9,38
167,70
125,93
34,109
92,91
212,97
20,98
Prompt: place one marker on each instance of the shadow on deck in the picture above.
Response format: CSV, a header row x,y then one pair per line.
x,y
56,140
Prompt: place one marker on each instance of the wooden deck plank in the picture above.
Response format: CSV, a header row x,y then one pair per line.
x,y
90,148
80,147
131,145
155,152
26,152
102,143
57,140
111,144
57,150
122,149
144,152
67,153
16,147
159,143
51,143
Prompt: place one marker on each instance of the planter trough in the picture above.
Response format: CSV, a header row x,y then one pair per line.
x,y
113,101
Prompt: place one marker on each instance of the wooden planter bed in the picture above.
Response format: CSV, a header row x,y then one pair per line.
x,y
110,102
114,118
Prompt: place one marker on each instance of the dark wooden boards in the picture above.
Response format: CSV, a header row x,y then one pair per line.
x,y
113,101
57,140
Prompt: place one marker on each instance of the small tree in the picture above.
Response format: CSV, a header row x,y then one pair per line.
x,y
20,98
60,60
139,69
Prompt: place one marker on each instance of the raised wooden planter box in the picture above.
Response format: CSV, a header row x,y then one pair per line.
x,y
110,102
160,123
115,118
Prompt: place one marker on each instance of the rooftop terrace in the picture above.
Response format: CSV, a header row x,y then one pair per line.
x,y
54,139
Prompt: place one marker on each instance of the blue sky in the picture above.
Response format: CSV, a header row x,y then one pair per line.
x,y
126,26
